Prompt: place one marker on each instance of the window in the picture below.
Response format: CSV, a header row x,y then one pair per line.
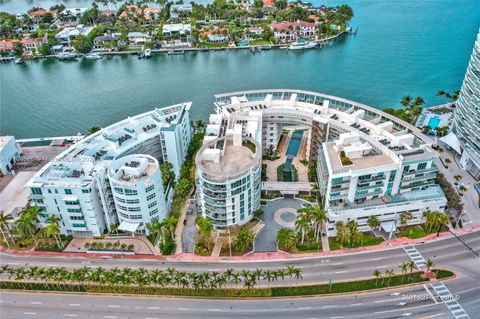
x,y
68,191
36,191
133,209
153,212
86,191
121,200
72,202
76,217
151,196
74,210
132,201
152,204
78,225
149,188
130,192
118,190
135,216
422,166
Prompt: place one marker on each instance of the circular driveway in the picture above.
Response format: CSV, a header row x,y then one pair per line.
x,y
278,213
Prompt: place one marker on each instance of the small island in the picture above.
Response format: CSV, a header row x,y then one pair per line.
x,y
147,27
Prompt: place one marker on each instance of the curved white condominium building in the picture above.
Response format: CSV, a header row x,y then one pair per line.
x,y
368,162
228,179
467,114
138,191
78,185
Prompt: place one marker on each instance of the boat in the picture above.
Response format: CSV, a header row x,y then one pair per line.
x,y
148,53
265,47
204,49
302,44
19,61
94,56
67,56
254,49
141,54
176,52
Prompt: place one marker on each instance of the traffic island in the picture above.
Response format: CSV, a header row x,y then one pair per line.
x,y
331,288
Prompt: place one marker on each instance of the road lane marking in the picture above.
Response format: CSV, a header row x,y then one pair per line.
x,y
341,272
435,316
430,294
387,300
336,264
214,309
330,306
13,264
404,309
111,317
113,306
356,304
29,313
36,303
70,315
156,308
337,317
186,309
75,304
150,318
304,308
383,266
379,258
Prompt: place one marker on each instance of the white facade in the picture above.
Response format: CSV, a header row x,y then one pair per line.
x,y
137,187
76,187
392,168
229,178
467,114
9,153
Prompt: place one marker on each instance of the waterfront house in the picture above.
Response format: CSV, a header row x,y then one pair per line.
x,y
106,40
6,46
177,10
217,38
74,12
66,35
37,15
291,31
56,49
172,30
145,16
138,39
258,31
151,14
268,3
9,153
30,46
109,12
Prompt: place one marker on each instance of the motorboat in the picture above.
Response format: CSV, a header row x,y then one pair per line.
x,y
176,52
94,56
19,61
67,56
302,44
148,53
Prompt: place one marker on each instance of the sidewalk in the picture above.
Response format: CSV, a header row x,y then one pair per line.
x,y
269,256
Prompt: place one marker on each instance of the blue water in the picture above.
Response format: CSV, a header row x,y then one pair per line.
x,y
294,144
402,47
433,122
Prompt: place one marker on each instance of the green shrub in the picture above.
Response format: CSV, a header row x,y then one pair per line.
x,y
168,246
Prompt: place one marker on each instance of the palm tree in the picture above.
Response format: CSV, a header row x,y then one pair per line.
x,y
319,216
343,233
411,267
27,223
114,227
286,238
429,264
356,235
53,230
5,220
406,100
378,274
170,223
404,268
302,223
390,274
205,227
405,217
373,222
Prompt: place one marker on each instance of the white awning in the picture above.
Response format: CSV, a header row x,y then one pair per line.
x,y
451,140
388,226
127,226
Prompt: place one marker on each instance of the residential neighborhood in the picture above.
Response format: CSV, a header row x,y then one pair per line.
x,y
144,25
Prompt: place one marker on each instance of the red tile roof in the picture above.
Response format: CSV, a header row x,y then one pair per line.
x,y
38,13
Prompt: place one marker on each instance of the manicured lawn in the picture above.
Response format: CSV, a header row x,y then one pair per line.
x,y
368,240
412,232
260,42
309,247
213,45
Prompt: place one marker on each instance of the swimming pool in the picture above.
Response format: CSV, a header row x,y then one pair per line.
x,y
295,142
433,122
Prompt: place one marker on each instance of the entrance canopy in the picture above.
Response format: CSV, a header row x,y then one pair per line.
x,y
127,226
388,226
451,140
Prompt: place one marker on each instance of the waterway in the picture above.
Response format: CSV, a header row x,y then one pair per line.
x,y
402,47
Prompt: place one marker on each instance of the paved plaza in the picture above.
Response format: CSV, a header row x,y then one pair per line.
x,y
278,213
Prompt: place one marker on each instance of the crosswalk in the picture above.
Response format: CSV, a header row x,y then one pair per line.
x,y
417,258
442,293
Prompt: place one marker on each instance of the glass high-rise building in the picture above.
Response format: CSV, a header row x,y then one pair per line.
x,y
467,114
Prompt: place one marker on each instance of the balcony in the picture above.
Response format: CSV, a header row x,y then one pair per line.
x,y
420,171
418,184
359,188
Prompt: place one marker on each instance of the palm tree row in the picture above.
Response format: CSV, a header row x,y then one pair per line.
x,y
405,267
163,230
434,219
348,234
169,277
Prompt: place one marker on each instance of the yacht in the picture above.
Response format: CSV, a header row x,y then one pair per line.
x,y
67,56
176,52
94,56
302,44
265,47
19,61
148,53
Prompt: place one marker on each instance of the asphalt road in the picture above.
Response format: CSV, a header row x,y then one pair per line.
x,y
448,253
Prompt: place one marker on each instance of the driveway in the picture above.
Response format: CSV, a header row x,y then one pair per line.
x,y
188,241
278,213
